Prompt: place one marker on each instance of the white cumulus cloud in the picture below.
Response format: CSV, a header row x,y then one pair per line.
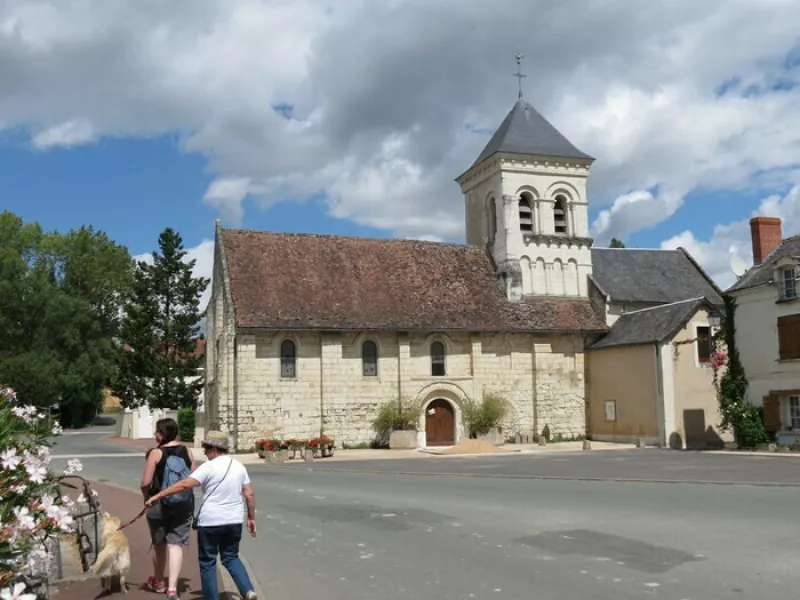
x,y
375,104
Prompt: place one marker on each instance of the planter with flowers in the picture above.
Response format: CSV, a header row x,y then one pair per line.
x,y
321,446
294,445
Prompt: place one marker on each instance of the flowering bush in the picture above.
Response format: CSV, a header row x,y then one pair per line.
x,y
32,508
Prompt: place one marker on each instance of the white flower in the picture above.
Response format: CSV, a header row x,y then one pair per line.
x,y
20,488
57,429
66,522
24,517
10,459
16,593
35,468
43,452
68,502
29,414
73,466
8,393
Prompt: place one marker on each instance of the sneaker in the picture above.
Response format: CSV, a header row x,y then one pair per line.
x,y
251,595
172,595
159,587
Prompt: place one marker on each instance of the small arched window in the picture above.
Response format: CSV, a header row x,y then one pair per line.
x,y
437,359
560,214
525,213
369,358
288,359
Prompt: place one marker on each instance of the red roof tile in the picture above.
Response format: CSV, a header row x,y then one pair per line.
x,y
306,281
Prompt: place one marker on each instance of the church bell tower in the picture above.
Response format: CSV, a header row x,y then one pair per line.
x,y
526,202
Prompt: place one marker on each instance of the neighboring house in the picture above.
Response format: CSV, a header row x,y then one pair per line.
x,y
626,279
312,333
767,321
650,377
656,303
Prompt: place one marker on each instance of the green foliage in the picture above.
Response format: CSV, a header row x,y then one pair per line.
x,y
397,416
738,415
186,423
615,243
59,297
161,329
481,417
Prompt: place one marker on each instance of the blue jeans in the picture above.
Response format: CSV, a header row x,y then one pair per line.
x,y
222,539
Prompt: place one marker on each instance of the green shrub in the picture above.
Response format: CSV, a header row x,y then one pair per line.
x,y
481,417
186,424
396,416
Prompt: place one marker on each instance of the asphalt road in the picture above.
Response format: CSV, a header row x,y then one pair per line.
x,y
365,535
649,464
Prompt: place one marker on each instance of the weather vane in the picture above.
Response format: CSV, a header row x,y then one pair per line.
x,y
519,75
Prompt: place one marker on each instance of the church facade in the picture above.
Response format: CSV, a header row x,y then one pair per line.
x,y
313,333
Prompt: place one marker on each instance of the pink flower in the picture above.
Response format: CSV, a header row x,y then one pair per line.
x,y
10,460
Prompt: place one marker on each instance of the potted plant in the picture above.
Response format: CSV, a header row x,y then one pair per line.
x,y
326,445
295,446
398,422
261,447
483,420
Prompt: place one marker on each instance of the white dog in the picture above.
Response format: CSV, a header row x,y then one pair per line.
x,y
114,560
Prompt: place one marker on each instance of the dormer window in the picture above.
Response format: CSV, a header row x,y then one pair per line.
x,y
525,213
787,283
560,214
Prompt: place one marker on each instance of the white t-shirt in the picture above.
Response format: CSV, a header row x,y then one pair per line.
x,y
222,503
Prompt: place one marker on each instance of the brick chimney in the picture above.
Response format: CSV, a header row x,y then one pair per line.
x,y
766,234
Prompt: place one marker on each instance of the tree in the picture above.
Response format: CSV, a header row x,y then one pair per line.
x,y
56,326
161,329
615,243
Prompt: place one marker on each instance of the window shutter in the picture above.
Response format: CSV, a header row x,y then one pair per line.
x,y
789,337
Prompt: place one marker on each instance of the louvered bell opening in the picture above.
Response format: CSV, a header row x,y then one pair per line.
x,y
525,218
560,220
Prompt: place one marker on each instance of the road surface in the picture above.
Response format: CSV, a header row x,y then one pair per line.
x,y
339,534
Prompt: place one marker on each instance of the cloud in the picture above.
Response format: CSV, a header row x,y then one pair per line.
x,y
733,239
228,194
203,255
380,105
633,212
72,133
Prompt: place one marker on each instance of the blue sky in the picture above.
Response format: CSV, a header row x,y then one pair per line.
x,y
134,188
354,118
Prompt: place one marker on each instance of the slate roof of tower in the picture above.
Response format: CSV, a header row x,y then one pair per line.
x,y
762,274
324,282
657,276
525,131
650,325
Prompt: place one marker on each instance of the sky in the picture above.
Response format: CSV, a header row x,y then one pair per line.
x,y
354,117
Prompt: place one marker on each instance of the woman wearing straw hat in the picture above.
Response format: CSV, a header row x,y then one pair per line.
x,y
219,521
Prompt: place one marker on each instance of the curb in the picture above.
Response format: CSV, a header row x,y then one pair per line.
x,y
557,478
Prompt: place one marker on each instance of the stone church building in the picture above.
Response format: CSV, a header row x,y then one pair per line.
x,y
309,333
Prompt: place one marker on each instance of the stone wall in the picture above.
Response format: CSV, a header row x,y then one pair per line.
x,y
542,377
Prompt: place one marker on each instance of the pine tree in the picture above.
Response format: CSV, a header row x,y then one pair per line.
x,y
615,243
161,329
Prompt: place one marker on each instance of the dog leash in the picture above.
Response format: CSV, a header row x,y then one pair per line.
x,y
134,519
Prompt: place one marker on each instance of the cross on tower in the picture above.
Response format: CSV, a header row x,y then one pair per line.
x,y
519,75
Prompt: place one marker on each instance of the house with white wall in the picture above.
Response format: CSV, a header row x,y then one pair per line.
x,y
767,321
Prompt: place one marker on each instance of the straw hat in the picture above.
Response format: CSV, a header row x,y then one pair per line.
x,y
217,439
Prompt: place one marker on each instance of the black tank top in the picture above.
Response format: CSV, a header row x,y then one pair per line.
x,y
166,451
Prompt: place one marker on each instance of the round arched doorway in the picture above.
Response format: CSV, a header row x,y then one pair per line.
x,y
440,423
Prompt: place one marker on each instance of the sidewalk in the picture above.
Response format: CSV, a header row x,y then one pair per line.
x,y
125,505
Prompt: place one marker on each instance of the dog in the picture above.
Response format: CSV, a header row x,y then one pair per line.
x,y
114,560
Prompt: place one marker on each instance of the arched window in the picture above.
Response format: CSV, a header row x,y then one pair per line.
x,y
560,214
437,359
288,359
491,225
525,213
369,358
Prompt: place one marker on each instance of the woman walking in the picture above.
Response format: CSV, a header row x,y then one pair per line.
x,y
219,522
169,525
